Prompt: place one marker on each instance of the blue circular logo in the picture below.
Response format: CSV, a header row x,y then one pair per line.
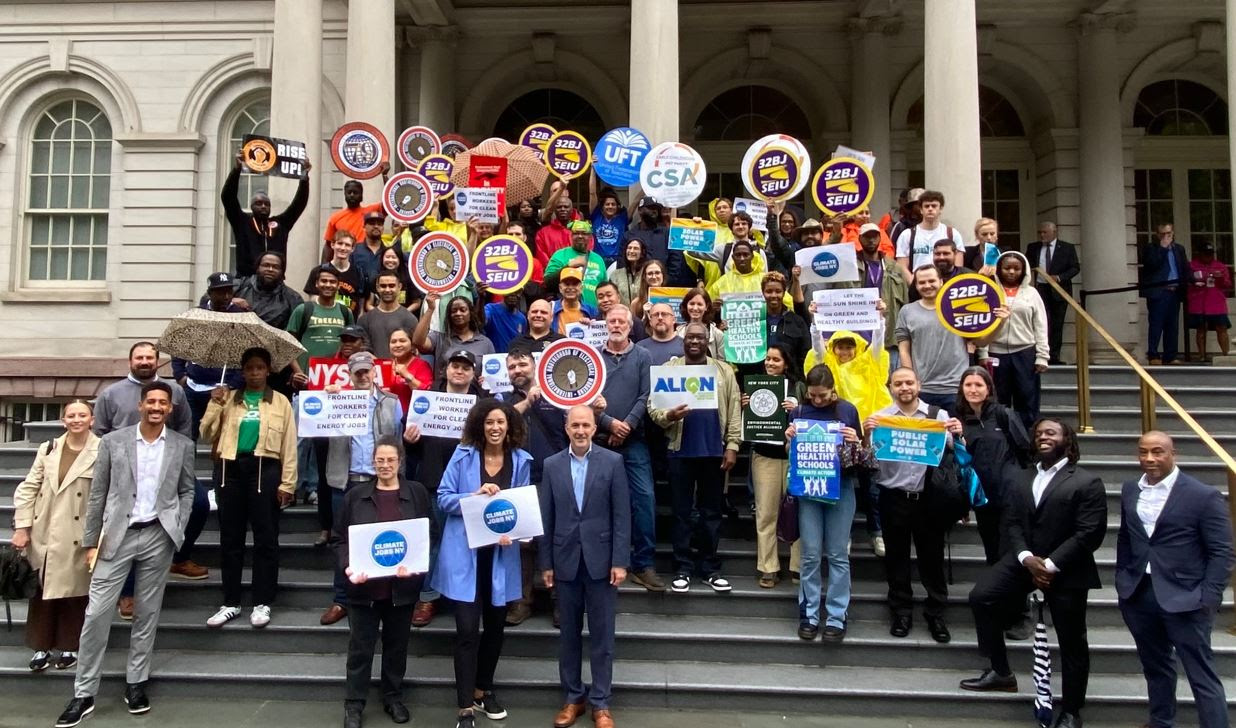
x,y
460,198
619,154
313,405
492,366
389,548
578,333
420,405
500,516
825,264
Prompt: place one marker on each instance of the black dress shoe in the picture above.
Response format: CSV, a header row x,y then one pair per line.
x,y
938,629
1068,720
74,712
807,631
991,681
1018,632
398,712
351,717
900,626
135,698
833,633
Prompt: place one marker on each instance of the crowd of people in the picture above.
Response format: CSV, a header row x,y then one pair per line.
x,y
112,509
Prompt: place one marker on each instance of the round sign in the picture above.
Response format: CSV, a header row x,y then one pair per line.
x,y
312,405
503,263
764,402
774,173
568,155
966,305
786,143
570,372
416,143
407,197
825,264
492,367
618,156
674,173
438,262
536,137
359,150
438,168
453,144
420,405
842,185
389,548
260,156
500,515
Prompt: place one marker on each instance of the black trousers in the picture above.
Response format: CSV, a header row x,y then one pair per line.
x,y
998,600
905,520
249,499
988,518
364,622
477,653
1157,633
697,483
326,515
1057,309
1018,385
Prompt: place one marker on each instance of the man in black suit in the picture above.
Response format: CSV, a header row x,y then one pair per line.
x,y
1173,559
1054,522
1059,259
586,509
1164,262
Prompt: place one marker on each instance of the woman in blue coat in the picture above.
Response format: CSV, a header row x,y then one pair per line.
x,y
480,581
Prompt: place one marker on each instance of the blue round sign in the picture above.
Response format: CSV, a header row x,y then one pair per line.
x,y
492,366
618,156
825,264
460,198
420,405
500,515
313,405
389,548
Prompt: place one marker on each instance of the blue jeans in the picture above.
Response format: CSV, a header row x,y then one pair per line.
x,y
825,528
643,504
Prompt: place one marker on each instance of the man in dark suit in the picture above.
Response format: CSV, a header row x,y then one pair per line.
x,y
1054,522
1059,259
585,505
1173,559
1164,262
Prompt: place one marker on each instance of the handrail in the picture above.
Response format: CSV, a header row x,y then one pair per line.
x,y
1150,389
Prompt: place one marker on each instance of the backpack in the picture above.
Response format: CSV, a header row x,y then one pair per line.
x,y
948,230
947,495
307,313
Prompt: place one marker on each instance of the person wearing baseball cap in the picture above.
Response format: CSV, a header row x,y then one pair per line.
x,y
366,256
580,256
910,213
570,307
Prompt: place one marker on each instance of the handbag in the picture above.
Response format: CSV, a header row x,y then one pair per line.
x,y
18,579
787,519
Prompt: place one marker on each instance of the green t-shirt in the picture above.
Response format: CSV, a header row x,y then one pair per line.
x,y
321,337
250,424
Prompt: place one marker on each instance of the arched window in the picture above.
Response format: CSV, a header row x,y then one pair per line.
x,y
997,117
747,113
253,118
560,109
69,183
1180,108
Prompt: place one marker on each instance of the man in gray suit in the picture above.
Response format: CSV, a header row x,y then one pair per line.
x,y
139,504
586,509
1173,559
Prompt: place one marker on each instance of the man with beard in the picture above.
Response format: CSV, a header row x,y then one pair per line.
x,y
265,293
258,231
664,343
607,298
540,333
944,258
380,322
1054,523
653,232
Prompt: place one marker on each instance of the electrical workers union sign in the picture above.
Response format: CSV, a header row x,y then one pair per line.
x,y
674,173
842,185
503,263
966,305
567,155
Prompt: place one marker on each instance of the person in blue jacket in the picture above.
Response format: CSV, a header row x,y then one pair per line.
x,y
480,581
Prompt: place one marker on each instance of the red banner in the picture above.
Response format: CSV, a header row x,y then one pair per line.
x,y
489,172
330,370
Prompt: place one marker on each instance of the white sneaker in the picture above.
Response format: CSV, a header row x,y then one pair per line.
x,y
877,545
260,616
223,616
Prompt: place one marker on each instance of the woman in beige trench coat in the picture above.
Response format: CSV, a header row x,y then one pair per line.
x,y
50,517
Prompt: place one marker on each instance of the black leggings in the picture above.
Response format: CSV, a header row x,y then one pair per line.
x,y
477,653
326,516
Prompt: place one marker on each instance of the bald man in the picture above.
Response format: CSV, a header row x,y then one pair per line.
x,y
1173,560
585,504
258,231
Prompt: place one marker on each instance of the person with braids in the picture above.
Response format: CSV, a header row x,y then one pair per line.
x,y
463,331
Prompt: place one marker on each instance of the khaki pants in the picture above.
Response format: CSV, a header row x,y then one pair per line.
x,y
769,477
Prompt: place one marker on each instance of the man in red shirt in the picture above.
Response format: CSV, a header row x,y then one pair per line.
x,y
555,236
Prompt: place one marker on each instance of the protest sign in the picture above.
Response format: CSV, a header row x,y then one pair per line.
x,y
341,414
438,262
514,512
359,150
379,549
842,185
503,263
670,295
867,158
756,209
438,168
674,173
991,254
618,156
594,333
775,170
535,137
966,305
909,440
407,197
694,385
815,460
274,157
494,377
453,144
827,264
691,236
568,155
416,143
486,171
764,419
327,370
440,414
746,332
570,372
847,309
479,202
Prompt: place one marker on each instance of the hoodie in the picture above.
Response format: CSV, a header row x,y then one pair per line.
x,y
708,265
1026,325
862,380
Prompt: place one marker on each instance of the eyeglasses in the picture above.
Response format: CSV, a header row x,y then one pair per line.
x,y
661,314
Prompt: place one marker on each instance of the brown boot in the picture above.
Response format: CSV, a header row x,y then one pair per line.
x,y
517,613
568,715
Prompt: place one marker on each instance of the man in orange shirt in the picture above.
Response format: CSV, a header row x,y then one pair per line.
x,y
352,216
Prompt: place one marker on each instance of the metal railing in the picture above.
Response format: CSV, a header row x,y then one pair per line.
x,y
1150,391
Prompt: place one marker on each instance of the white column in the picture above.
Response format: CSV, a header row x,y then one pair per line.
x,y
951,110
870,128
1104,234
654,68
437,88
1229,28
370,95
296,113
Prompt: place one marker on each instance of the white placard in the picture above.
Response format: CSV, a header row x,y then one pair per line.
x,y
379,549
847,309
757,209
341,414
494,377
695,386
478,202
827,264
867,158
514,512
440,414
595,333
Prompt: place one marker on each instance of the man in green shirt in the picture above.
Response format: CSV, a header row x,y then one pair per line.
x,y
317,323
579,255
